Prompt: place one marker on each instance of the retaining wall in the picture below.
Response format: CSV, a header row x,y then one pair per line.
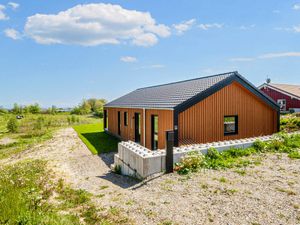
x,y
138,161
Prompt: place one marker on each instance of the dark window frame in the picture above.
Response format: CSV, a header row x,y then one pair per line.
x,y
236,125
125,119
153,147
105,119
119,123
137,127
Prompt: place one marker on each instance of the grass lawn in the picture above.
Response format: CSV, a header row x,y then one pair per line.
x,y
95,139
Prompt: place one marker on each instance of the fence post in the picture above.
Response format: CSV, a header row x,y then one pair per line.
x,y
169,151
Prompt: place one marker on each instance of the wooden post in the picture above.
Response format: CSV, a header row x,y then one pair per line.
x,y
169,151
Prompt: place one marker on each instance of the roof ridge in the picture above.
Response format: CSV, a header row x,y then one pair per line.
x,y
282,84
198,78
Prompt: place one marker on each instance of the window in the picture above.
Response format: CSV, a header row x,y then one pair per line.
x,y
119,123
105,119
230,125
282,104
137,127
125,119
154,132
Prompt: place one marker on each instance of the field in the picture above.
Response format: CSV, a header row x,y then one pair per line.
x,y
34,129
53,178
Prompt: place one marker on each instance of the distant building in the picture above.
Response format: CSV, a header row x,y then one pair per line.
x,y
286,95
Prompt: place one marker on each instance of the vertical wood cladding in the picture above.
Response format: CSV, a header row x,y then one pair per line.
x,y
204,121
165,122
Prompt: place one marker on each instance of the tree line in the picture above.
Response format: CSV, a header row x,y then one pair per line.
x,y
92,105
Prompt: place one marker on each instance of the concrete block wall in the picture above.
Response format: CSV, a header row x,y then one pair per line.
x,y
138,161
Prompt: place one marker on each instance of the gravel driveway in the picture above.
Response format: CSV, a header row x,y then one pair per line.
x,y
268,193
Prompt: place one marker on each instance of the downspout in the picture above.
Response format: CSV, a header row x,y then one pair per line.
x,y
144,126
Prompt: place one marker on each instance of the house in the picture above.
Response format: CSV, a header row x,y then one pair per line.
x,y
286,95
207,109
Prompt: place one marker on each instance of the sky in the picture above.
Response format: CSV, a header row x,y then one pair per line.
x,y
58,52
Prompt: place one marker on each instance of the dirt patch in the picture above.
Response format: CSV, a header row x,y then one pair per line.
x,y
7,141
268,193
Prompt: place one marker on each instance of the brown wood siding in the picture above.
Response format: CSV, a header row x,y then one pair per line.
x,y
165,122
204,121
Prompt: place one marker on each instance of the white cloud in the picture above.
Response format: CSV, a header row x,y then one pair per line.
x,y
95,24
184,26
279,55
247,27
13,34
153,66
210,25
13,5
296,29
242,59
2,14
128,59
296,6
267,56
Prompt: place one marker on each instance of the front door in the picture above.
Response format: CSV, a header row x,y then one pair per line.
x,y
137,127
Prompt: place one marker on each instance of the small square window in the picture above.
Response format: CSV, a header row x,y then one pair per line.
x,y
230,125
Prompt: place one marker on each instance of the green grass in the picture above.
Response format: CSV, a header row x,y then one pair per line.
x,y
24,195
28,195
95,139
36,128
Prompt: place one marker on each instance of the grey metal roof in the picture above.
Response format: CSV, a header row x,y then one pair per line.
x,y
167,96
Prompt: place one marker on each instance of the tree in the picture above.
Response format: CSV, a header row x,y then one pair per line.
x,y
52,110
34,109
17,109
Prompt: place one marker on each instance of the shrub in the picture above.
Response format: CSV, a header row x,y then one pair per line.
x,y
39,123
213,153
73,119
12,125
294,155
3,111
259,145
191,162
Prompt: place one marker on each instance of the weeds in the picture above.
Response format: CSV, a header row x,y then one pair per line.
x,y
191,162
26,191
236,158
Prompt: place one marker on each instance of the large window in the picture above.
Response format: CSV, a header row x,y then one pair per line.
x,y
154,132
137,127
230,125
125,119
105,119
119,123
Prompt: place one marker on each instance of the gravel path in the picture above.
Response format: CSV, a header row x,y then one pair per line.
x,y
268,193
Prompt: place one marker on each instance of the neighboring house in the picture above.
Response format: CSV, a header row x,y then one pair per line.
x,y
207,109
286,95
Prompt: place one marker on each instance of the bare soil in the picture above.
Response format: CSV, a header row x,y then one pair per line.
x,y
268,193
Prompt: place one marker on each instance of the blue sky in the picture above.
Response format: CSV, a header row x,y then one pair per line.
x,y
59,52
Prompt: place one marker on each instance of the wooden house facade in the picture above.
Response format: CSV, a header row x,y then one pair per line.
x,y
208,109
